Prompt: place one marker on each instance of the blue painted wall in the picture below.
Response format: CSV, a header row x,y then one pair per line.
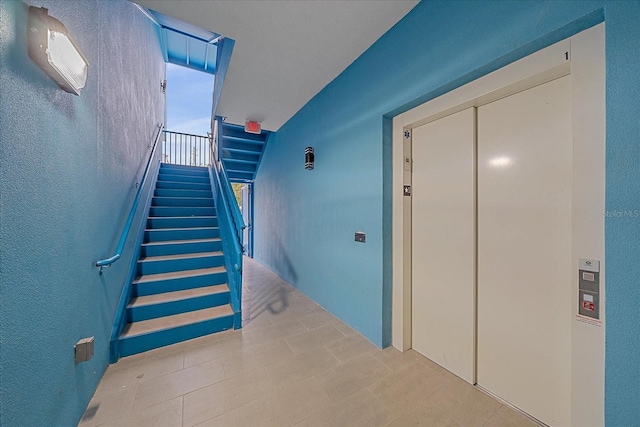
x,y
305,220
68,166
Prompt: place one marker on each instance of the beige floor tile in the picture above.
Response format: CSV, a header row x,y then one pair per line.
x,y
253,357
465,403
292,362
428,415
177,383
316,319
395,359
228,419
215,350
127,375
346,330
285,407
108,406
165,414
408,387
311,339
264,335
361,409
229,394
349,377
507,417
302,366
349,347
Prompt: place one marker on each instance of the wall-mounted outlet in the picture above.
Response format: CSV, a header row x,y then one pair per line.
x,y
84,349
360,236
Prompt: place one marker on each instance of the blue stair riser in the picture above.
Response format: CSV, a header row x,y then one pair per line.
x,y
167,266
182,201
183,170
181,211
168,192
240,166
140,343
152,311
243,176
184,178
180,248
182,222
161,235
170,285
183,185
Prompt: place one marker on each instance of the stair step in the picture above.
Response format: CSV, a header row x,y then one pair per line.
x,y
182,222
183,178
180,192
174,247
167,234
184,185
177,295
175,321
180,256
149,278
183,168
150,284
169,303
182,211
169,263
183,201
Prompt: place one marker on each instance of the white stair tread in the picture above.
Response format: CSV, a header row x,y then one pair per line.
x,y
179,242
178,295
180,256
182,319
178,274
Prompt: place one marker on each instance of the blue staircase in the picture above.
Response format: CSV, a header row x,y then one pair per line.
x,y
241,152
180,291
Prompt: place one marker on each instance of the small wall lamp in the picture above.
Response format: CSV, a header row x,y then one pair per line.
x,y
51,47
309,158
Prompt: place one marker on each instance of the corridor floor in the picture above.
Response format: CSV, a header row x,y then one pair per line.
x,y
292,363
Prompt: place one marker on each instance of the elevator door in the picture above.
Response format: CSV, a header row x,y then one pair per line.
x,y
524,250
443,252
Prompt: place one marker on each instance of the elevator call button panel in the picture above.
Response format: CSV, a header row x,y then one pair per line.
x,y
589,288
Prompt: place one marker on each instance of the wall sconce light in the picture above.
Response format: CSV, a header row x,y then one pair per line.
x,y
51,47
309,158
163,86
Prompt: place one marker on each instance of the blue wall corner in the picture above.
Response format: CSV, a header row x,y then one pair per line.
x,y
305,220
68,165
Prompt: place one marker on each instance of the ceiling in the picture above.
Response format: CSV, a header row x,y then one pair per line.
x,y
285,51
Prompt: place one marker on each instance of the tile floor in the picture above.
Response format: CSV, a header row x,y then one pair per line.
x,y
292,363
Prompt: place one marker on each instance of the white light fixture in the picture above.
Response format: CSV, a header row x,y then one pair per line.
x,y
53,49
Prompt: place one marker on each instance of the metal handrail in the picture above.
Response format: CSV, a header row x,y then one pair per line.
x,y
101,264
235,253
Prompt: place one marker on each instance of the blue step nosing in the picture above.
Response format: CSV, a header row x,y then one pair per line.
x,y
172,248
180,284
139,343
169,308
180,264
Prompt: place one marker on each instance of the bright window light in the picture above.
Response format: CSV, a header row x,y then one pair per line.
x,y
66,60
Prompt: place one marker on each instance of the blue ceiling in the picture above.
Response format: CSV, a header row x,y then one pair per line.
x,y
186,45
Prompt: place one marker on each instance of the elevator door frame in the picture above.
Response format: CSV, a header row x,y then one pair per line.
x,y
583,57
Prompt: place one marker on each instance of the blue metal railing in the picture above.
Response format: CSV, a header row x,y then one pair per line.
x,y
185,149
103,263
231,227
